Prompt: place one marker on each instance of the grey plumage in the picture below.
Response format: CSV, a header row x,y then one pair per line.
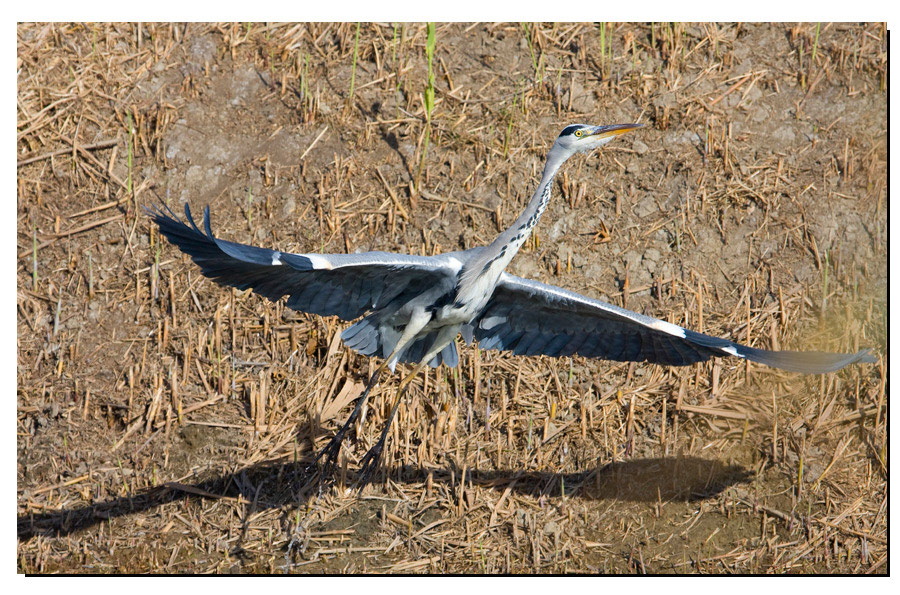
x,y
415,306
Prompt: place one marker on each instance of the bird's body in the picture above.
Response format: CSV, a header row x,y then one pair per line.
x,y
414,307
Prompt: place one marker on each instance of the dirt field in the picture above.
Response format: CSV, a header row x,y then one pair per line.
x,y
164,422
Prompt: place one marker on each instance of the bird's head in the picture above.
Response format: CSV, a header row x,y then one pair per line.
x,y
579,138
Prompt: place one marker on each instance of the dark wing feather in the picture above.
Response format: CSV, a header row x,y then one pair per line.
x,y
528,317
343,285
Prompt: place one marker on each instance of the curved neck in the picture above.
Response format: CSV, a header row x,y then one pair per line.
x,y
514,236
497,255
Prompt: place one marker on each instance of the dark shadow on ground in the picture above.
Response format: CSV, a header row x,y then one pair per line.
x,y
271,485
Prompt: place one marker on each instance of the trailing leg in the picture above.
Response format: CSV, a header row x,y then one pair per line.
x,y
370,461
333,448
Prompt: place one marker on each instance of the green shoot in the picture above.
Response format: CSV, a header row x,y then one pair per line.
x,y
430,44
355,55
429,88
815,45
304,75
602,48
397,48
536,62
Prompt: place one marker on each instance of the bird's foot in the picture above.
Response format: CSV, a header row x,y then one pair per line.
x,y
329,454
369,463
333,448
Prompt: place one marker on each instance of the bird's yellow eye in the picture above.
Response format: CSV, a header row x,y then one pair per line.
x,y
579,133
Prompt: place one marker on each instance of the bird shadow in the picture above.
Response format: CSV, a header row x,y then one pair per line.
x,y
278,485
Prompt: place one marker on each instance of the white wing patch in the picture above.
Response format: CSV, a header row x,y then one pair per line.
x,y
319,262
455,263
276,259
732,351
668,328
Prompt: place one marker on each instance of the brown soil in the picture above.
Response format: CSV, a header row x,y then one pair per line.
x,y
163,422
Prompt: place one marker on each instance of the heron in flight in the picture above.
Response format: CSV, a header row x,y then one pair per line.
x,y
413,307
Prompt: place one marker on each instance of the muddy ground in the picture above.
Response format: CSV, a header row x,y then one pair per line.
x,y
164,422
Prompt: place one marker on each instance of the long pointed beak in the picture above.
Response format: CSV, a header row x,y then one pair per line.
x,y
614,130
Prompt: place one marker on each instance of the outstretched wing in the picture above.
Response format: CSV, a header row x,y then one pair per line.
x,y
531,318
344,285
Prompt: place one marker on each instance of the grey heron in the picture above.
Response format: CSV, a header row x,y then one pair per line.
x,y
413,307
